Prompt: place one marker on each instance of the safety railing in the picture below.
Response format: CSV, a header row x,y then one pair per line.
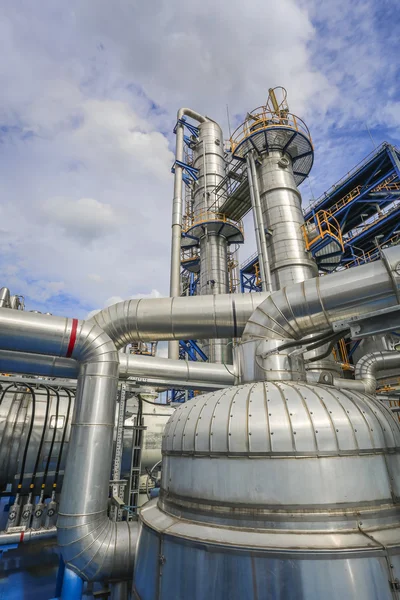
x,y
206,217
324,226
371,222
350,173
373,254
261,118
248,260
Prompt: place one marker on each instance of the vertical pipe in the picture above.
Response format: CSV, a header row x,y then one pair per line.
x,y
60,577
119,591
259,228
72,586
173,347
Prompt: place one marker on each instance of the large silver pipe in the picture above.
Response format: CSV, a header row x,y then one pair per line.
x,y
130,365
182,318
92,545
367,369
177,207
313,306
259,225
4,297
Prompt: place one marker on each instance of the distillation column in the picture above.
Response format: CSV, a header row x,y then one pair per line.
x,y
210,230
279,153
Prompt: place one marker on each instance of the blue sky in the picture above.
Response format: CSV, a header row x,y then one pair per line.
x,y
90,91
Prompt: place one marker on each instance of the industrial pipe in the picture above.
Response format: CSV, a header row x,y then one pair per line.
x,y
173,347
313,306
367,369
92,545
259,226
130,365
182,318
27,536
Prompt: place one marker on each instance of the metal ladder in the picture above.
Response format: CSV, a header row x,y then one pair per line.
x,y
135,467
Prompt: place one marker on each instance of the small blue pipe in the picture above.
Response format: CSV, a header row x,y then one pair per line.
x,y
72,586
60,577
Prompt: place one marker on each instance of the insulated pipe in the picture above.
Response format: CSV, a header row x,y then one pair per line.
x,y
27,536
367,369
130,365
175,290
182,318
259,225
92,545
314,305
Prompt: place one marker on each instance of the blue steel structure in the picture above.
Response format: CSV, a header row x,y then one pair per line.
x,y
365,204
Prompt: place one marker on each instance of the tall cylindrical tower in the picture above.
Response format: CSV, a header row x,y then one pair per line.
x,y
279,152
210,230
281,147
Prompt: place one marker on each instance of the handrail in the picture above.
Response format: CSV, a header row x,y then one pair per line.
x,y
372,254
365,226
205,217
261,118
387,185
325,224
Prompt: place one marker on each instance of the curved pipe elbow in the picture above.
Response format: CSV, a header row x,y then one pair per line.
x,y
188,112
98,548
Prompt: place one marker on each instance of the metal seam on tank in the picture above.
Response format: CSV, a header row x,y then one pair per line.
x,y
372,401
350,397
197,424
218,400
388,470
391,421
374,417
248,433
174,422
331,418
346,415
312,390
210,425
229,433
304,403
284,402
265,394
186,422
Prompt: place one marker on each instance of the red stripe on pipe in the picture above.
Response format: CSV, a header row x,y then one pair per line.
x,y
72,338
21,537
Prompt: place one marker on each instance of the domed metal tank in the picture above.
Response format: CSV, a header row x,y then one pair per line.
x,y
282,490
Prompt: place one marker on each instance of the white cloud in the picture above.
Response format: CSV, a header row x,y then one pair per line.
x,y
90,93
85,219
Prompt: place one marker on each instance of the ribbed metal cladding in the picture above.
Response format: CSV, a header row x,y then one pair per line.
x,y
283,218
287,486
208,158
